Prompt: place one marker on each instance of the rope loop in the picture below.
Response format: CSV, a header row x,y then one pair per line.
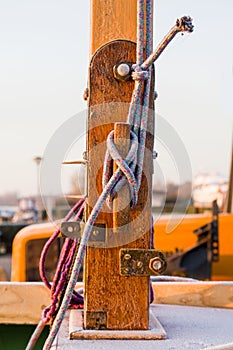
x,y
139,73
125,171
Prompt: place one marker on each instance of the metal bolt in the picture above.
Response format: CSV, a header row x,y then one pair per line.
x,y
156,264
95,233
154,154
127,256
85,155
126,270
139,264
70,229
123,69
86,94
155,95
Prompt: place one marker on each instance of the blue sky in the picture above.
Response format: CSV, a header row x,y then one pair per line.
x,y
44,59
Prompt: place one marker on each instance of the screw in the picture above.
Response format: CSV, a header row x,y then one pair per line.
x,y
139,264
70,229
95,233
127,256
126,270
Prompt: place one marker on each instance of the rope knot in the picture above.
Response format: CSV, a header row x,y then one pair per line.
x,y
125,171
184,24
139,73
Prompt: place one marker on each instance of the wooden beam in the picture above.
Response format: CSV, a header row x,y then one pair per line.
x,y
208,294
22,303
111,20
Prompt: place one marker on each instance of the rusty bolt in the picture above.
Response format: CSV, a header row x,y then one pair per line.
x,y
127,256
86,94
95,233
156,265
139,264
126,270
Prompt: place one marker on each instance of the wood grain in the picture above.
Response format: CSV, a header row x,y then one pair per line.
x,y
111,20
22,303
124,299
209,294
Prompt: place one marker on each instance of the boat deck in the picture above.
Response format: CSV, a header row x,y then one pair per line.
x,y
187,327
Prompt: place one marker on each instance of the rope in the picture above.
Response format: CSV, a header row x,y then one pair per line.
x,y
138,113
115,177
61,275
51,240
129,169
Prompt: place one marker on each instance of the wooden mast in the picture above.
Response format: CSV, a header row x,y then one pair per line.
x,y
111,20
113,301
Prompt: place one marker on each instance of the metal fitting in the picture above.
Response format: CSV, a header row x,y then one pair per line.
x,y
86,94
154,154
85,155
127,256
122,71
155,95
156,265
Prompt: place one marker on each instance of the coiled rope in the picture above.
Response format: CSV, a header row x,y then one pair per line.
x,y
129,169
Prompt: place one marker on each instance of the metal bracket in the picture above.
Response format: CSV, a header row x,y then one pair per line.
x,y
142,262
74,229
96,320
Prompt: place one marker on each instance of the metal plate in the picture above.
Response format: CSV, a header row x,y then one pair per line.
x,y
96,320
74,229
142,262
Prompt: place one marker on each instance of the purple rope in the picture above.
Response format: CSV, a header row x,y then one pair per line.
x,y
61,275
51,240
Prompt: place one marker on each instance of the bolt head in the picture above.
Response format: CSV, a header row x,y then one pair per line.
x,y
154,154
70,229
156,265
155,95
123,69
95,233
139,264
127,256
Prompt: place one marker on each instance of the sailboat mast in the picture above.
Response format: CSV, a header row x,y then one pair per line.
x,y
112,20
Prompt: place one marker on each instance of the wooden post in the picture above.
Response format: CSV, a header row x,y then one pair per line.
x,y
111,20
113,301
